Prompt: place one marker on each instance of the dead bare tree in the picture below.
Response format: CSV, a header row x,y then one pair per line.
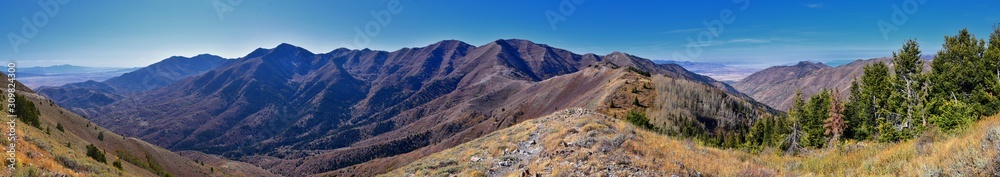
x,y
793,140
835,124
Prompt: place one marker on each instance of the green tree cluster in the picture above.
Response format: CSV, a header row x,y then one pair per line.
x,y
886,104
639,119
96,154
117,164
811,117
26,111
893,105
771,131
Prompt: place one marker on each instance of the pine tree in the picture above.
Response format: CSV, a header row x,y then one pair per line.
x,y
835,124
959,71
854,117
796,115
872,99
816,111
26,111
954,115
96,154
908,69
992,59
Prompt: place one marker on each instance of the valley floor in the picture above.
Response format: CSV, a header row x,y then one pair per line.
x,y
577,142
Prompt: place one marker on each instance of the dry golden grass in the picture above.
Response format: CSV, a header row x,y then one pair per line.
x,y
972,152
38,153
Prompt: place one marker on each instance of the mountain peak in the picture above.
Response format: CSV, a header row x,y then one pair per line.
x,y
287,46
281,48
811,64
450,42
205,55
617,54
517,42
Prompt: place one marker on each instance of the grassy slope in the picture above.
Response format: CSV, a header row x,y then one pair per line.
x,y
571,143
41,154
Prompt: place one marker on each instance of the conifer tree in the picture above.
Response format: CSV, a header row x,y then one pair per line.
x,y
835,124
908,69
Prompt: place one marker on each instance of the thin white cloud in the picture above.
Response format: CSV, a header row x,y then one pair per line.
x,y
815,5
732,41
45,61
692,30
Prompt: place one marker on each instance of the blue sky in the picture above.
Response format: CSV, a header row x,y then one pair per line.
x,y
140,32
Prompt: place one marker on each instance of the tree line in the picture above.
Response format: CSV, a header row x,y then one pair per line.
x,y
962,86
891,104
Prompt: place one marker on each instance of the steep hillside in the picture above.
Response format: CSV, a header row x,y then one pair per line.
x,y
603,88
776,86
580,142
59,147
84,96
164,73
296,112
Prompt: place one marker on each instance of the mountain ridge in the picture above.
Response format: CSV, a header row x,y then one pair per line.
x,y
288,104
83,96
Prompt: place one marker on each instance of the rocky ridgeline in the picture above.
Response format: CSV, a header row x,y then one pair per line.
x,y
571,142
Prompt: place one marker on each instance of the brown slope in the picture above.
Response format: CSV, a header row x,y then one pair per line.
x,y
671,70
62,152
592,88
776,86
481,90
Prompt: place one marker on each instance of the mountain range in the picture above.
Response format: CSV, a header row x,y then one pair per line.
x,y
364,112
91,94
35,77
776,86
68,69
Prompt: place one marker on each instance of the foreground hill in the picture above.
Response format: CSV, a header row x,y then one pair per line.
x,y
58,148
615,91
295,112
580,142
